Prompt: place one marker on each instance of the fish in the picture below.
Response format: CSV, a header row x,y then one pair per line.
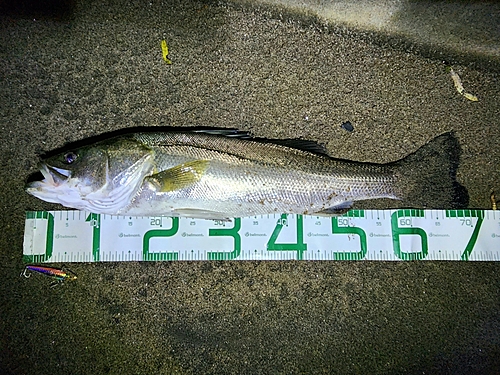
x,y
224,174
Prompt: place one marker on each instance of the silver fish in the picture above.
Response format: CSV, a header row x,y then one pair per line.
x,y
224,174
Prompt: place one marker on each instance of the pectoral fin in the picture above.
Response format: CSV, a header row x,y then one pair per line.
x,y
180,176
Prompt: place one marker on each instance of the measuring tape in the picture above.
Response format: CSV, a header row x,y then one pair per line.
x,y
77,236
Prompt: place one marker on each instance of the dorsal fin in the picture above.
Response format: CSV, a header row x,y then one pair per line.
x,y
299,144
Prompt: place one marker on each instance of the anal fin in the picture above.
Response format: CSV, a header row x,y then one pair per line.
x,y
197,213
339,209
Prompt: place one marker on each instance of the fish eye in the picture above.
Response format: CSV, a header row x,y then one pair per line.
x,y
69,157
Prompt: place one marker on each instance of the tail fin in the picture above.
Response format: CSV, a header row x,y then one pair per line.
x,y
427,178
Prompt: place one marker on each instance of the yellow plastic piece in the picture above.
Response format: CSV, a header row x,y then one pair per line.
x,y
164,51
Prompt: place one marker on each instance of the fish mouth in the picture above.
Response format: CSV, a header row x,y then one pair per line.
x,y
48,176
54,185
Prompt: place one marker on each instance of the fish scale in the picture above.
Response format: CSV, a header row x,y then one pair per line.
x,y
277,185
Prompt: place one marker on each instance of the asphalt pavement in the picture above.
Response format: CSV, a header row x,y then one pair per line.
x,y
81,68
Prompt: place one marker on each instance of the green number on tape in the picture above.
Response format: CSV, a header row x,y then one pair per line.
x,y
95,222
343,255
469,214
49,242
231,232
146,255
299,246
397,232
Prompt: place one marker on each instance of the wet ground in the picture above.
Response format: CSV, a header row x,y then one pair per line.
x,y
84,69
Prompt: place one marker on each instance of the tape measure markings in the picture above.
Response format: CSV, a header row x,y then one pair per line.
x,y
77,236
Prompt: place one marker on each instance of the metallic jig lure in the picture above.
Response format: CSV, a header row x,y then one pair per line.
x,y
59,275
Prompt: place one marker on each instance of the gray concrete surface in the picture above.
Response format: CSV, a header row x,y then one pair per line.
x,y
454,27
97,67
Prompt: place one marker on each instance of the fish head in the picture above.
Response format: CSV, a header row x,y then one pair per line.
x,y
101,178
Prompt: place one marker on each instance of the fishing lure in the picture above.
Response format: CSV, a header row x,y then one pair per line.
x,y
59,275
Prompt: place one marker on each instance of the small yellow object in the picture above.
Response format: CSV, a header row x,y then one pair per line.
x,y
164,50
460,88
493,200
470,97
